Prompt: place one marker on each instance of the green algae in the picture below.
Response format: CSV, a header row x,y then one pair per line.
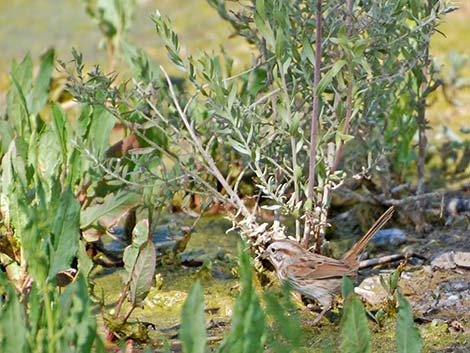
x,y
162,307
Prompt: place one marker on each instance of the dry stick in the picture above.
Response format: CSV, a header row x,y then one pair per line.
x,y
389,258
314,128
400,202
381,260
212,168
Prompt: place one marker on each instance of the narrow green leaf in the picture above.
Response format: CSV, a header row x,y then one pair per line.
x,y
193,324
307,51
62,128
347,287
328,77
280,44
355,334
7,134
408,338
21,98
261,9
265,28
238,146
85,264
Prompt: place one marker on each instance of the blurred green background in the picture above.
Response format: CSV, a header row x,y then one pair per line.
x,y
36,25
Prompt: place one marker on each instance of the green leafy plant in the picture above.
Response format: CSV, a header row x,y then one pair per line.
x,y
250,331
391,286
192,332
355,333
62,186
408,338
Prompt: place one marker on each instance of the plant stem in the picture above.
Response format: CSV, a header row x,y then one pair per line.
x,y
50,321
293,145
333,162
314,127
422,138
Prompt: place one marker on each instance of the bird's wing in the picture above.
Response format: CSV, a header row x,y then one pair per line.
x,y
321,267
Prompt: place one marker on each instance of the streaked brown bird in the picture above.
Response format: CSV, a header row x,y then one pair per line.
x,y
315,276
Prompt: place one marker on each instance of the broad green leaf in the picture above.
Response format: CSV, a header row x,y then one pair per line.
x,y
143,274
193,333
408,338
134,258
140,235
48,154
6,135
17,105
77,322
65,233
40,91
23,72
102,123
286,335
32,230
355,334
13,333
113,207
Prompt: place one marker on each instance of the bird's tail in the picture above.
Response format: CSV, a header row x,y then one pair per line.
x,y
350,257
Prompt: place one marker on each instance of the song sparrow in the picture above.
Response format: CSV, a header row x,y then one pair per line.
x,y
313,275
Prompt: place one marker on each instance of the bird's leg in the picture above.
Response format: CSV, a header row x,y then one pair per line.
x,y
319,316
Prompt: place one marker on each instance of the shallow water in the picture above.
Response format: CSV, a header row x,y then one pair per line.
x,y
209,244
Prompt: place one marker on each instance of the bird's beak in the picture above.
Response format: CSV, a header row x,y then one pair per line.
x,y
264,255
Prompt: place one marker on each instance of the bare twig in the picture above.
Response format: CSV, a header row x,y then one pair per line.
x,y
389,258
380,260
406,200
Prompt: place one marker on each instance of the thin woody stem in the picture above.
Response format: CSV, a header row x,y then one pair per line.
x,y
211,165
314,127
